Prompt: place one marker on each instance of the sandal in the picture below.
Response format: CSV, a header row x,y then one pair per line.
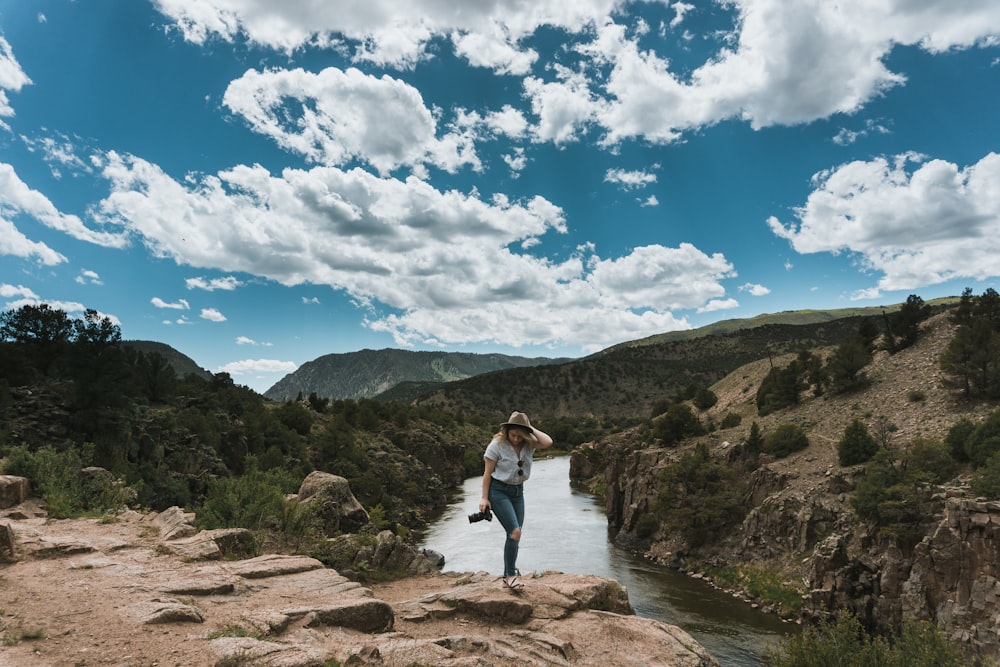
x,y
513,584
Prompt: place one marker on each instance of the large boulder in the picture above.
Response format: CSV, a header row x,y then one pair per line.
x,y
13,490
330,498
386,556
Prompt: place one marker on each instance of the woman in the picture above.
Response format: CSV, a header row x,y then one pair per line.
x,y
508,466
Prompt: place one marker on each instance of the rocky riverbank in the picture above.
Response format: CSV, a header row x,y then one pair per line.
x,y
145,589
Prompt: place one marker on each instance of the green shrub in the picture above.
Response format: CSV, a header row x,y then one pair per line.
x,y
57,477
958,435
254,501
730,420
931,459
780,388
762,583
984,440
845,643
880,476
786,439
986,480
755,441
699,498
677,423
704,398
895,498
856,445
645,526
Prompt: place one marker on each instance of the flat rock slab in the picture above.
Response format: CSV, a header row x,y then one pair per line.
x,y
273,565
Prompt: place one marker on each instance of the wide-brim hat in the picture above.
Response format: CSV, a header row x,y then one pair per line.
x,y
518,419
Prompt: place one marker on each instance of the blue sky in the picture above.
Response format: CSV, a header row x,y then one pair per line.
x,y
261,183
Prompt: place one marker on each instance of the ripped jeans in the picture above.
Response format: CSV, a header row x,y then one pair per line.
x,y
507,501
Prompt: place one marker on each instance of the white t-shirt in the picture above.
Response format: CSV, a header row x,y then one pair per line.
x,y
507,459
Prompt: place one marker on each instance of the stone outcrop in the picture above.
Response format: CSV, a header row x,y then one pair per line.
x,y
14,490
212,545
951,577
330,497
125,590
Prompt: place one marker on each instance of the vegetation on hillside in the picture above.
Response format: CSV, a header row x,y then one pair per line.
x,y
74,397
845,643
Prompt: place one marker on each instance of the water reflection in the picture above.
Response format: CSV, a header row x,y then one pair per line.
x,y
566,530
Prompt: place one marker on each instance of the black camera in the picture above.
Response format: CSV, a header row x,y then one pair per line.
x,y
479,516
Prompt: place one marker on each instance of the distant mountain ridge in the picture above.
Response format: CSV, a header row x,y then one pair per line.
x,y
368,373
618,379
792,317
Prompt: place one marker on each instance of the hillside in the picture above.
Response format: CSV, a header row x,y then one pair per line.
x,y
181,363
628,381
795,524
368,373
621,381
793,317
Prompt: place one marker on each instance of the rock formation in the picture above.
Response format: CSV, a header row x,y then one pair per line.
x,y
148,589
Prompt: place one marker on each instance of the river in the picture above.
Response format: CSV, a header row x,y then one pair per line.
x,y
566,530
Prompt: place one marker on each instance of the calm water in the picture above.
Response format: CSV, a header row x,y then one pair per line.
x,y
566,530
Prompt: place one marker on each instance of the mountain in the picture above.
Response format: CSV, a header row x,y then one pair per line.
x,y
368,373
181,363
784,317
624,380
627,381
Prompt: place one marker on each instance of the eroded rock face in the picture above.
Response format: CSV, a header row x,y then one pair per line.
x,y
124,597
952,576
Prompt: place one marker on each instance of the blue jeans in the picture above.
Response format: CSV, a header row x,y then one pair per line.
x,y
507,501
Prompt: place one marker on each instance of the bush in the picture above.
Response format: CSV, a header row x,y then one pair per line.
x,y
755,441
930,459
704,398
856,445
762,583
699,498
986,480
780,388
730,420
58,478
254,501
677,423
845,643
645,526
984,440
896,499
785,440
958,435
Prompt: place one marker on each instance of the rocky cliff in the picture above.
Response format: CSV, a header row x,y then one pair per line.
x,y
797,517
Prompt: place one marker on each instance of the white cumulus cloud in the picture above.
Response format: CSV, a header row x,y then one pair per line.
x,y
915,221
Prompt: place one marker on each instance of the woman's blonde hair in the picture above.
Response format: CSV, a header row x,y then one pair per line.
x,y
506,429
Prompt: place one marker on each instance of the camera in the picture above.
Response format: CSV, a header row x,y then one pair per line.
x,y
479,516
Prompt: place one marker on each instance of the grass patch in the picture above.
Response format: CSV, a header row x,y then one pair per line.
x,y
236,631
761,583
